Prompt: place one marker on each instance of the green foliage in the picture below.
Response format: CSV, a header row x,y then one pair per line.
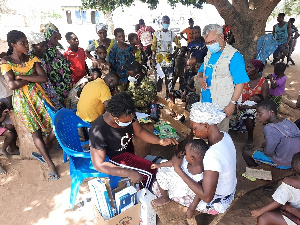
x,y
289,7
111,5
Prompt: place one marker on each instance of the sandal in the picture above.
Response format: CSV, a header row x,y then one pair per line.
x,y
53,176
38,157
2,171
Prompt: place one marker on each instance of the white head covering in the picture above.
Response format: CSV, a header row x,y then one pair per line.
x,y
101,26
35,38
206,113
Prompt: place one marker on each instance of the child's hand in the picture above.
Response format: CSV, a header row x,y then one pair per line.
x,y
176,162
256,213
189,213
155,166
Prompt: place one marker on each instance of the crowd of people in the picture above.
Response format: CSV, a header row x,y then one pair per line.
x,y
220,91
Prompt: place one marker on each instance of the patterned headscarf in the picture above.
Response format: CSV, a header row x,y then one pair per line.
x,y
101,26
35,38
206,113
49,32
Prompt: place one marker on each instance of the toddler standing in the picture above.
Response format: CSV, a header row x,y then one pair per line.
x,y
101,62
278,81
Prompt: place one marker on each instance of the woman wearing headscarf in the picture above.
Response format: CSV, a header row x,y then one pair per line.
x,y
254,91
217,190
101,30
38,47
56,66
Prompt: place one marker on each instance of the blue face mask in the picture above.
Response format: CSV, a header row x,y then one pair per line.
x,y
121,124
166,26
214,47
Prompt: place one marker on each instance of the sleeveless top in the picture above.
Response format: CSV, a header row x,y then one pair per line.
x,y
281,33
248,92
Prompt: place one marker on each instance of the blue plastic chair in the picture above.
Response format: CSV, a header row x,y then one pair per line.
x,y
66,123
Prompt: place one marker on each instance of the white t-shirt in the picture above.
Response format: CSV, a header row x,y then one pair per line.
x,y
221,157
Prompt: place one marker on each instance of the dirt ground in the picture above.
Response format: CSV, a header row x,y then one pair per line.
x,y
27,196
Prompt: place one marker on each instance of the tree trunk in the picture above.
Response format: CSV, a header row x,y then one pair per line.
x,y
247,20
110,22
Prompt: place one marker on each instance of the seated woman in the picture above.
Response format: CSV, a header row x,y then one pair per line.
x,y
256,86
216,192
111,134
282,139
286,198
141,88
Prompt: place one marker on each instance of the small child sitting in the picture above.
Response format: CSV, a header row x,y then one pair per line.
x,y
278,81
7,130
286,198
139,54
171,186
74,94
101,62
282,139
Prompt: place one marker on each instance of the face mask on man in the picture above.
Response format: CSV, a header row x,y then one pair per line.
x,y
121,124
166,26
214,47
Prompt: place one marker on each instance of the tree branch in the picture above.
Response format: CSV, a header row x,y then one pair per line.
x,y
264,6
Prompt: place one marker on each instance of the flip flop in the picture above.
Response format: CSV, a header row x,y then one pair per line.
x,y
2,171
38,157
53,176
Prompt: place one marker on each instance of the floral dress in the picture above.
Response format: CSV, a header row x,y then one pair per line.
x,y
58,71
119,59
27,100
143,94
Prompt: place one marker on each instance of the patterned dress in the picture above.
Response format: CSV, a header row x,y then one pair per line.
x,y
27,100
119,59
58,71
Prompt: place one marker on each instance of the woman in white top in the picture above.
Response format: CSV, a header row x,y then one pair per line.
x,y
219,178
286,198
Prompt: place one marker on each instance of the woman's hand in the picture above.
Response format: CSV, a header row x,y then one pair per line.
x,y
256,213
155,166
135,176
176,162
167,141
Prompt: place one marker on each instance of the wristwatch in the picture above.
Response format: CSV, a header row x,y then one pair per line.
x,y
234,102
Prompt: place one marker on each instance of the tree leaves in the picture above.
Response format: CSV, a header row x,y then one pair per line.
x,y
111,5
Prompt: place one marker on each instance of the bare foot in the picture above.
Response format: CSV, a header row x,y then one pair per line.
x,y
2,171
4,153
160,201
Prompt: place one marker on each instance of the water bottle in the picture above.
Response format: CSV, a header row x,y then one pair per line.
x,y
153,111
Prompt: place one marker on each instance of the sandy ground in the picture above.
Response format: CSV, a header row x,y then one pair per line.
x,y
27,196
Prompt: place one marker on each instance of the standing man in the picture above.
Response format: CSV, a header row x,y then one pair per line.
x,y
222,74
162,54
197,47
282,33
189,32
145,35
